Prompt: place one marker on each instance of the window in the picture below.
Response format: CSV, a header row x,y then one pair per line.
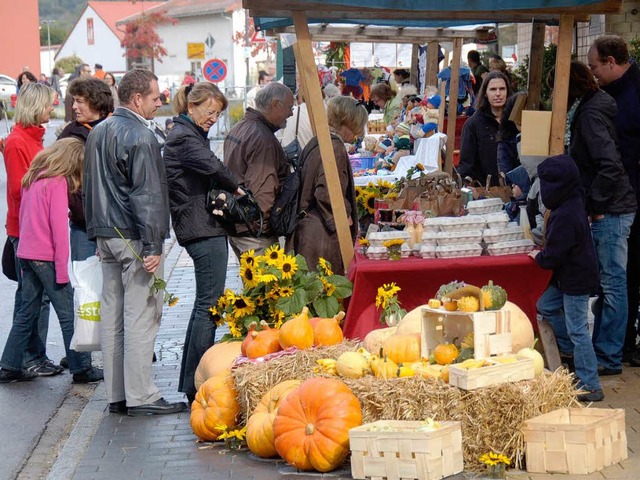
x,y
90,33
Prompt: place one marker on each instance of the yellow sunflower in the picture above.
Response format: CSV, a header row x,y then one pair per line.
x,y
359,191
216,317
420,167
369,202
278,318
325,266
274,293
329,287
273,254
384,184
243,306
248,258
248,275
285,292
266,278
287,266
234,330
225,299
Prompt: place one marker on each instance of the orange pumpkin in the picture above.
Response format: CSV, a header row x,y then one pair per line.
x,y
403,348
260,424
262,342
297,332
215,404
445,353
246,340
311,428
216,361
327,331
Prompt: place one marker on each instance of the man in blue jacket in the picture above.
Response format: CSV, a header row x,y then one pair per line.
x,y
620,77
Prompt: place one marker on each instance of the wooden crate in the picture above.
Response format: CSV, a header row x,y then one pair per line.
x,y
575,440
403,452
491,330
494,374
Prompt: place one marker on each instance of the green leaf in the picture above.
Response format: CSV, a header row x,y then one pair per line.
x,y
302,263
251,319
227,337
314,288
326,307
294,304
344,287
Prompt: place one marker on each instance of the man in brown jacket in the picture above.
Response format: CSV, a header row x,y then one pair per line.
x,y
254,154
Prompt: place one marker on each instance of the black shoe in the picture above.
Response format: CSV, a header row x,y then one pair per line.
x,y
118,407
159,407
634,361
64,363
46,369
191,397
10,376
592,396
92,375
605,372
567,361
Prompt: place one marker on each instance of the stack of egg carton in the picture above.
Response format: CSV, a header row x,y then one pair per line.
x,y
501,237
448,237
377,251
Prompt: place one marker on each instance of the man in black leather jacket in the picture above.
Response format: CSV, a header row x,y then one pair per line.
x,y
127,211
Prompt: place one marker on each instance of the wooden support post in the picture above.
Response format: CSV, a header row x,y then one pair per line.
x,y
442,108
549,345
535,66
308,70
303,87
432,64
415,53
561,85
453,104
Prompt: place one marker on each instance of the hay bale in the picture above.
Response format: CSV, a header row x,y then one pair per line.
x,y
492,418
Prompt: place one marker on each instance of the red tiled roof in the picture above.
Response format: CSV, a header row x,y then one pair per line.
x,y
192,8
111,12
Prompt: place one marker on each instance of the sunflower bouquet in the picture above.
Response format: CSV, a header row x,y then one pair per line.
x,y
277,286
387,301
366,196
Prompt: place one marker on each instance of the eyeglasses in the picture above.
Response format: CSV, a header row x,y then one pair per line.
x,y
213,114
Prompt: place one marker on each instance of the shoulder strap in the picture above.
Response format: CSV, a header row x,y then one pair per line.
x,y
297,121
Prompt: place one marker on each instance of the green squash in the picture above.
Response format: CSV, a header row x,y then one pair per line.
x,y
494,296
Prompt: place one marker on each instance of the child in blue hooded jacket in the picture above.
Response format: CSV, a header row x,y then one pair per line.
x,y
570,252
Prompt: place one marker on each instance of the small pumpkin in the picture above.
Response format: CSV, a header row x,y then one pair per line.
x,y
374,340
259,437
384,368
403,348
216,361
312,424
327,331
215,404
352,365
494,296
445,353
297,332
263,342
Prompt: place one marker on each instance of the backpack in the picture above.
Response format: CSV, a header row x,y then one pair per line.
x,y
285,212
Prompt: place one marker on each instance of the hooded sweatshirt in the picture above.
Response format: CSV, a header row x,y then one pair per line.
x,y
569,249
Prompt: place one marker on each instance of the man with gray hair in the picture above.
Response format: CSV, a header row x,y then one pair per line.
x,y
254,154
127,211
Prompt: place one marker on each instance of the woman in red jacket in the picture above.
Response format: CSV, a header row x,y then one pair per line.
x,y
34,108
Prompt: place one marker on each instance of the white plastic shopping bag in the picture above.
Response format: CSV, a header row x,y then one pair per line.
x,y
86,279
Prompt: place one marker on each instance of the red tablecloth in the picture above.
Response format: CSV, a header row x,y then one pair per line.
x,y
419,279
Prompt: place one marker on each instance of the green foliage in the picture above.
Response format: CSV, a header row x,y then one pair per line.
x,y
335,54
69,64
58,35
634,49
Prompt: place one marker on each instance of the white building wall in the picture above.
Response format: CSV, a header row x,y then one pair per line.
x,y
106,49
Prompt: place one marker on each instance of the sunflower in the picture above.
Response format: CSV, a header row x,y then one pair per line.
x,y
285,292
329,287
278,318
393,242
172,301
325,266
243,306
369,202
384,184
287,266
363,242
266,278
248,275
225,299
234,330
248,258
273,254
216,317
359,192
390,288
420,167
273,294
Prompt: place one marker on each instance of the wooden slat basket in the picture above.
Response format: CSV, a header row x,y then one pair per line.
x,y
401,451
575,440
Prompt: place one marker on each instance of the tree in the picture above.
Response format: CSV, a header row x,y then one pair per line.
x,y
242,39
57,33
141,41
69,64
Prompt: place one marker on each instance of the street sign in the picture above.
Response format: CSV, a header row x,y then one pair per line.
x,y
195,51
258,37
210,41
215,70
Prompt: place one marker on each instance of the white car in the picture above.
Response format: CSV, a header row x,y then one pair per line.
x,y
8,87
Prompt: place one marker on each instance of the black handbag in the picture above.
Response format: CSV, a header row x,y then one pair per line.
x,y
292,151
9,261
232,210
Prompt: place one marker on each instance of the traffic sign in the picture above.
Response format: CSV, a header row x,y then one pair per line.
x,y
215,70
258,37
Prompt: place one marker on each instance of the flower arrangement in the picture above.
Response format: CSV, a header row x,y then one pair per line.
x,y
235,438
363,243
411,171
387,301
366,196
276,286
394,246
159,284
496,464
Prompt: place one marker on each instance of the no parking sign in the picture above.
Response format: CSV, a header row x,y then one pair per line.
x,y
215,70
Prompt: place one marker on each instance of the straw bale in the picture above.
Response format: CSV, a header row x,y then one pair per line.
x,y
492,418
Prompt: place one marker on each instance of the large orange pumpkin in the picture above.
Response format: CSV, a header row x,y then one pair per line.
x,y
403,348
327,331
215,404
311,428
216,361
260,424
297,332
262,343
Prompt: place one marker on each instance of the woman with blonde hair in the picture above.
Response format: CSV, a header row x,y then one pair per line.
x,y
33,108
44,254
192,169
315,235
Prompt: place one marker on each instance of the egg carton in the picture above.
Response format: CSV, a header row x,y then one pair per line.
x,y
511,247
487,205
469,222
433,224
495,235
497,220
462,250
405,251
376,238
428,251
377,253
460,237
430,238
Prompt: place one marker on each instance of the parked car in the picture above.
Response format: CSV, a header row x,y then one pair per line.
x,y
8,87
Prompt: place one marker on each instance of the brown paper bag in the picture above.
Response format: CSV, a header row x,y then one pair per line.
x,y
428,203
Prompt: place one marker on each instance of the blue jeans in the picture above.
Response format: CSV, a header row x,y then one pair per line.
x,y
610,309
37,348
568,316
81,247
210,256
39,277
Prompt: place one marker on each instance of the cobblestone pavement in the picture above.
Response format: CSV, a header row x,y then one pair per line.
x,y
108,446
